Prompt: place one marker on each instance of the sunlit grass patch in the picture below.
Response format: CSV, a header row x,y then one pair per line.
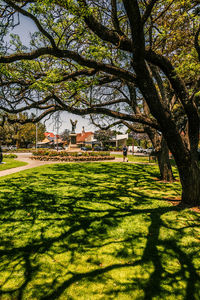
x,y
134,158
9,163
96,231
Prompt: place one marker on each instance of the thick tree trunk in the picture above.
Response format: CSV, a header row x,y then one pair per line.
x,y
190,180
164,162
162,153
188,167
1,155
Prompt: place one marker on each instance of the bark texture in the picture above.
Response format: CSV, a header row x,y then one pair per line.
x,y
164,163
190,180
1,155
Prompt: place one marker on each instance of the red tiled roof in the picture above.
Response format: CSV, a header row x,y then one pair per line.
x,y
82,136
50,134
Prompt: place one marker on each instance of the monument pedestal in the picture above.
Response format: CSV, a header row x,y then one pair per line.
x,y
72,144
73,138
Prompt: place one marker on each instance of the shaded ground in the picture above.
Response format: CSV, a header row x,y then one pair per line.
x,y
96,231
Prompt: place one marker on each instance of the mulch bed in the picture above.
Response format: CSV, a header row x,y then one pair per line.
x,y
176,201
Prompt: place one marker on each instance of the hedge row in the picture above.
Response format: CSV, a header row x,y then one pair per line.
x,y
11,155
65,153
72,158
21,150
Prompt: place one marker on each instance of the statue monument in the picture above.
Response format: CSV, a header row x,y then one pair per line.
x,y
72,135
73,125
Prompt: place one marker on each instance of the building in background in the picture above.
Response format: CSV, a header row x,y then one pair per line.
x,y
51,141
85,138
121,140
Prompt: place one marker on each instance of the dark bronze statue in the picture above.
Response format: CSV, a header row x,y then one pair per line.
x,y
73,125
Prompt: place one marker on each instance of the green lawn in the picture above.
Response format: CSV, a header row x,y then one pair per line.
x,y
141,159
134,158
96,231
11,163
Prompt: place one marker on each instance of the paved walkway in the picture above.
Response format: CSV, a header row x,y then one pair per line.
x,y
36,163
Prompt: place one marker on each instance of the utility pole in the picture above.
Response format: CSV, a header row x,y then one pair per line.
x,y
36,133
57,131
57,125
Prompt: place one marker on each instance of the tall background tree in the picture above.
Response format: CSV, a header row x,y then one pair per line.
x,y
104,136
65,135
21,135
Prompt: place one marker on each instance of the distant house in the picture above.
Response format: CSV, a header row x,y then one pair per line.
x,y
46,143
87,138
84,138
50,136
121,139
51,141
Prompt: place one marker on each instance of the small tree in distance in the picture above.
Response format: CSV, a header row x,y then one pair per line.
x,y
65,135
21,135
104,137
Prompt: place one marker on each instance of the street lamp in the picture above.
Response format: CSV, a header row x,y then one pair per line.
x,y
36,135
36,132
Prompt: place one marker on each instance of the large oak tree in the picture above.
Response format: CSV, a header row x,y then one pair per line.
x,y
81,44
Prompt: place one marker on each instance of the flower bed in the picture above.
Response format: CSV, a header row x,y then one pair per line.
x,y
72,158
46,155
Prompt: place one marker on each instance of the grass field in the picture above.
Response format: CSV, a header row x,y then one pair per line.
x,y
142,159
134,158
96,231
10,163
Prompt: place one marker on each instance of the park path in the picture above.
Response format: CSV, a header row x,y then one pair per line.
x,y
25,157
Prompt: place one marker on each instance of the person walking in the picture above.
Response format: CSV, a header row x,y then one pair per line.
x,y
125,151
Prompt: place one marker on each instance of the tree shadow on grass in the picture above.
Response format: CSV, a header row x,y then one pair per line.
x,y
95,231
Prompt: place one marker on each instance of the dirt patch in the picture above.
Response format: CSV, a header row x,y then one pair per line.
x,y
165,181
176,201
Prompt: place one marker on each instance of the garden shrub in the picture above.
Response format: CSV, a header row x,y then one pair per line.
x,y
88,147
11,155
19,150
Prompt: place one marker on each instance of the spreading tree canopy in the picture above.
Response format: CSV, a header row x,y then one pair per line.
x,y
84,49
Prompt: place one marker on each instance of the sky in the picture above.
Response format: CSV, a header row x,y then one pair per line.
x,y
66,124
24,30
